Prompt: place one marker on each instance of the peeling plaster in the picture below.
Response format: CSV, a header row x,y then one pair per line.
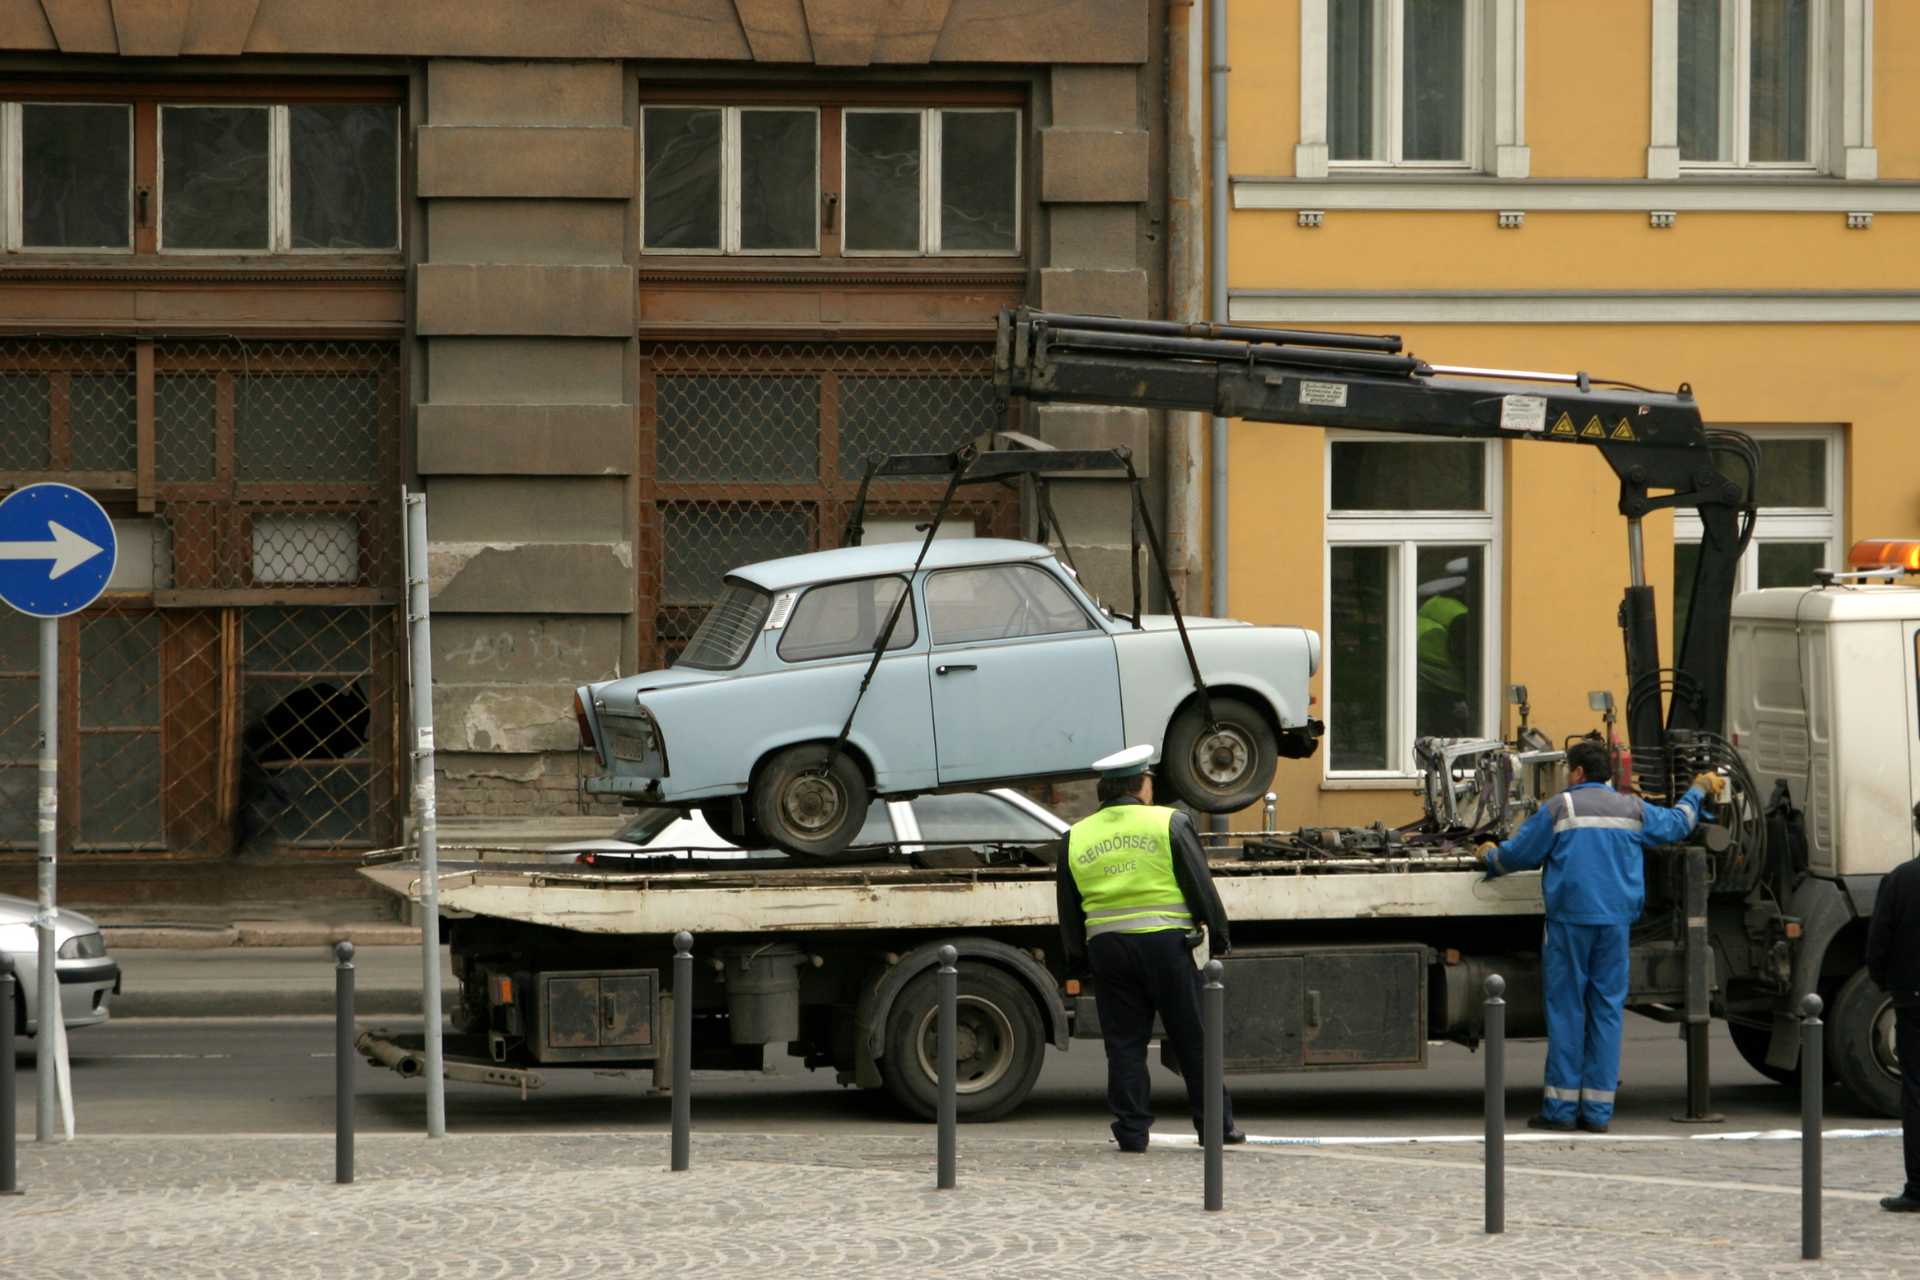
x,y
445,560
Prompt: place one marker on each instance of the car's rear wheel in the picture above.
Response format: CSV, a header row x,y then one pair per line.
x,y
732,819
803,806
1222,766
1001,1041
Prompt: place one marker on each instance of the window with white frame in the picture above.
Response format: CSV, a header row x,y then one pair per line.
x,y
232,178
1801,496
911,181
1412,598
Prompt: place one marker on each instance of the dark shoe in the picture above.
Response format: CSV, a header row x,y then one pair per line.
x,y
1591,1126
1233,1137
1901,1203
1557,1126
1132,1151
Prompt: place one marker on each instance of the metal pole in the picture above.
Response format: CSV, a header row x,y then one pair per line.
x,y
1698,1009
1496,1105
420,642
1213,1017
682,1051
9,1167
948,983
1813,1078
46,1042
343,1056
1217,283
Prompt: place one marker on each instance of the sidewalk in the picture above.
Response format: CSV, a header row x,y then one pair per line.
x,y
846,1207
269,981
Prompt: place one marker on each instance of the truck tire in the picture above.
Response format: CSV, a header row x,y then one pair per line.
x,y
1001,1042
805,810
1860,1045
1222,767
1752,1043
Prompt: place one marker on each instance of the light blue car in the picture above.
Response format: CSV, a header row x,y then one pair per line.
x,y
1000,670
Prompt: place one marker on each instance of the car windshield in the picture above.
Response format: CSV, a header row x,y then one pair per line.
x,y
970,817
723,639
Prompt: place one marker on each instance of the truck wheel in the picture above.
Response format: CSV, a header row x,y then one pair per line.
x,y
998,1055
1221,767
1752,1043
805,809
1860,1045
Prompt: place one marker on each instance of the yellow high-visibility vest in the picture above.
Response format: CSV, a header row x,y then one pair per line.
x,y
1122,860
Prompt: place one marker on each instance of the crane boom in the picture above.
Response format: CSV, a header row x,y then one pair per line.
x,y
1653,440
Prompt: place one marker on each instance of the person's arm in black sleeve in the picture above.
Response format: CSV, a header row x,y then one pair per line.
x,y
1196,883
1073,919
1882,932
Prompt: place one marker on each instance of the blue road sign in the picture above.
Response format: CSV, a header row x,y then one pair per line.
x,y
56,550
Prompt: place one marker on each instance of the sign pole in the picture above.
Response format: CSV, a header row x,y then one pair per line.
x,y
45,1041
420,642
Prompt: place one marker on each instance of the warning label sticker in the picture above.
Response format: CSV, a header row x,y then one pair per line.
x,y
1621,431
1593,430
1563,426
1328,395
1523,413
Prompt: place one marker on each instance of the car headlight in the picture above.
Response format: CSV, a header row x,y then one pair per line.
x,y
85,946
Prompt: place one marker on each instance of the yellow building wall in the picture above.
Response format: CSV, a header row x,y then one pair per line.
x,y
1563,541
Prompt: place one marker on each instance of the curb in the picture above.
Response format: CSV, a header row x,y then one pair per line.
x,y
258,933
388,1002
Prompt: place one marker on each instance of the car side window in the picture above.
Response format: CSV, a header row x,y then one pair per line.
x,y
969,815
841,618
1000,602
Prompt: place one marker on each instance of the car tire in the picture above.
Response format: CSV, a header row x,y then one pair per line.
x,y
1001,1043
1860,1045
1222,767
808,811
1752,1042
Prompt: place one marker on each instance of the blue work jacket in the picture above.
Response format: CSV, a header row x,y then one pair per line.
x,y
1589,837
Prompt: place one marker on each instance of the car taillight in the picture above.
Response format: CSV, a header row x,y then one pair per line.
x,y
586,730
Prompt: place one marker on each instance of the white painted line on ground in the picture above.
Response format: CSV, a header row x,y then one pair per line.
x,y
1403,1140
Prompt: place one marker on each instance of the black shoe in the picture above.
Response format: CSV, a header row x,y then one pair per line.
x,y
1591,1126
1557,1126
1902,1203
1233,1137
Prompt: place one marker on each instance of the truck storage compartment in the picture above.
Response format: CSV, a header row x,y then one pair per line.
x,y
592,1016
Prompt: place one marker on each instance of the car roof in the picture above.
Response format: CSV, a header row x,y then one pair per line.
x,y
886,557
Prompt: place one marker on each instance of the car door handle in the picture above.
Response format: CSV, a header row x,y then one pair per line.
x,y
954,666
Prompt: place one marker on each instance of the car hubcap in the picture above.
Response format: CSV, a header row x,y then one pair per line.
x,y
983,1044
812,804
1221,756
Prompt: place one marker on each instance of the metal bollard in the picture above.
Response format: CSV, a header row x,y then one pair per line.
x,y
1496,1104
947,982
344,1056
1813,1078
682,1051
1213,1018
9,1167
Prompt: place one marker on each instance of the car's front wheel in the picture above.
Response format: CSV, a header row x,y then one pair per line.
x,y
805,807
1223,766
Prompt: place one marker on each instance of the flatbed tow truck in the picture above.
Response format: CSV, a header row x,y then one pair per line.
x,y
1354,947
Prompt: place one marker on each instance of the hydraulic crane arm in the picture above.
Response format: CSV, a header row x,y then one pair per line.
x,y
1653,440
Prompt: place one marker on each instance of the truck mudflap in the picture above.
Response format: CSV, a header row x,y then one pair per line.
x,y
1824,908
877,1001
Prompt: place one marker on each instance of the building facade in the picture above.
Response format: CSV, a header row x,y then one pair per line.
x,y
1719,193
630,290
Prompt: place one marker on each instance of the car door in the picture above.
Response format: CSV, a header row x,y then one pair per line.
x,y
1025,682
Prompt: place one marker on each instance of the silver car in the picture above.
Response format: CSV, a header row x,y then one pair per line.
x,y
87,973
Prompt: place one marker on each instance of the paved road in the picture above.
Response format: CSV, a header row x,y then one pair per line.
x,y
263,1075
862,1206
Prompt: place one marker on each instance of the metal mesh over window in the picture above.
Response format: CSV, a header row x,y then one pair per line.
x,y
235,690
757,451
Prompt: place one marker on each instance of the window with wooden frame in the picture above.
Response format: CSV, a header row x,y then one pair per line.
x,y
845,179
199,170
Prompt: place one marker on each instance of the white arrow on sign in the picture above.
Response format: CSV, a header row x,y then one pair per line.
x,y
68,550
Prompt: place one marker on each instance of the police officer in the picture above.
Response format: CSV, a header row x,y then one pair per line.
x,y
1893,962
1590,839
1136,904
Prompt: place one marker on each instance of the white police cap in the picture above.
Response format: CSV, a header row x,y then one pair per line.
x,y
1124,764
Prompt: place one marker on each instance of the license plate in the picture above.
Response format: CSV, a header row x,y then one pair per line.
x,y
627,746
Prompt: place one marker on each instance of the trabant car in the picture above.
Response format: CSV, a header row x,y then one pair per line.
x,y
999,669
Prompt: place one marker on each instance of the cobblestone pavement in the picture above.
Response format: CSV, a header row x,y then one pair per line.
x,y
823,1205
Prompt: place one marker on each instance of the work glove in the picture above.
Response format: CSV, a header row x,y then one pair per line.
x,y
1485,854
1711,783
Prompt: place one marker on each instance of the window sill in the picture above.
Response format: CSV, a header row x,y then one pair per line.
x,y
1370,784
1718,190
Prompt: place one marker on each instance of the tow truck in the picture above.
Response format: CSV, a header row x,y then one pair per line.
x,y
1357,946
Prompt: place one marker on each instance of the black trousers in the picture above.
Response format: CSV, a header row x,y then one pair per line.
x,y
1136,975
1906,1043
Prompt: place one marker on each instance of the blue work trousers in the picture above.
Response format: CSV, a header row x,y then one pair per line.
x,y
1586,999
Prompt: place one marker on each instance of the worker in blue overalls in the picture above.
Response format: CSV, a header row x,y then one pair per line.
x,y
1590,839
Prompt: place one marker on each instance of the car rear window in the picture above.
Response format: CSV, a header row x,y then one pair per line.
x,y
971,816
1000,602
724,638
841,618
